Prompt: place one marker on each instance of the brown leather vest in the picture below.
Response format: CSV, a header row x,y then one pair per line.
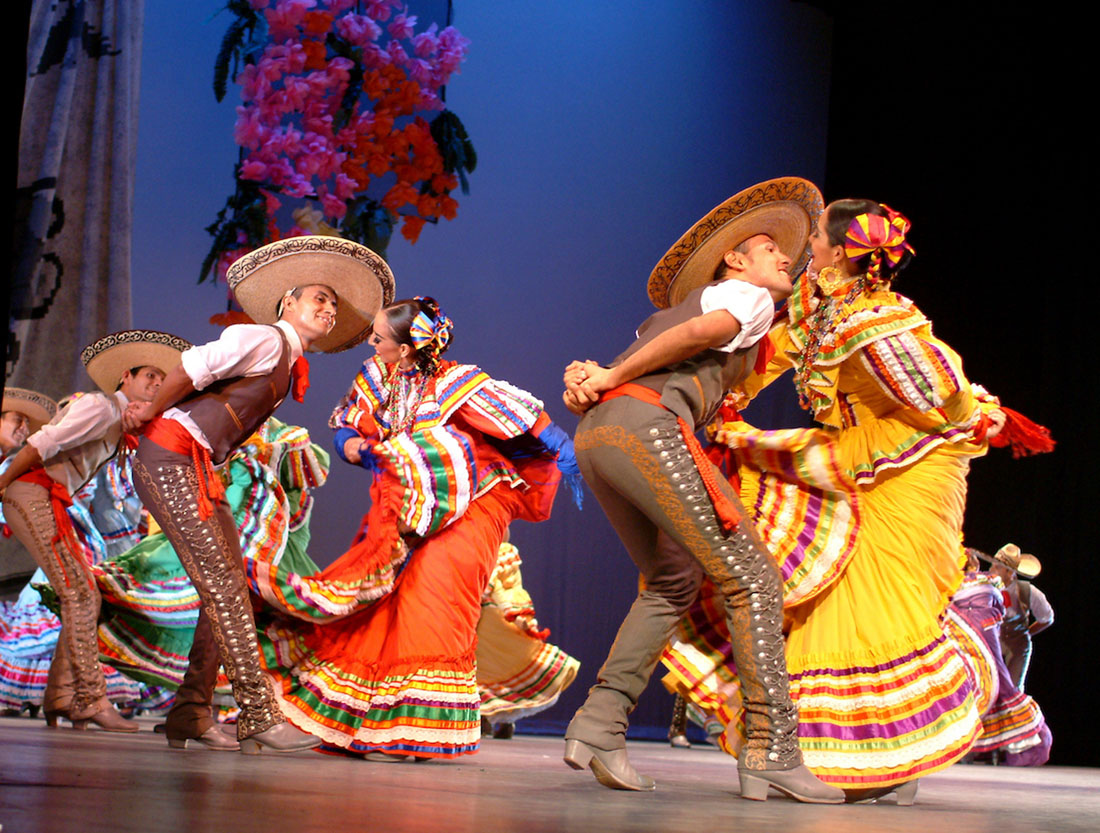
x,y
230,410
692,389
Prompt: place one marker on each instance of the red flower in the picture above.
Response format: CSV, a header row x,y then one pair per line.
x,y
318,23
410,229
315,54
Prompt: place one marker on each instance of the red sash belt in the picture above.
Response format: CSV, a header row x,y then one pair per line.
x,y
727,511
172,436
60,500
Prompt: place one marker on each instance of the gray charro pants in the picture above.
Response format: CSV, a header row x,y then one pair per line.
x,y
634,458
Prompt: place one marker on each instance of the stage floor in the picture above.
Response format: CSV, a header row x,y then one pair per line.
x,y
62,781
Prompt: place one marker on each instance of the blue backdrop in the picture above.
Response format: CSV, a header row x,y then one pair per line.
x,y
602,134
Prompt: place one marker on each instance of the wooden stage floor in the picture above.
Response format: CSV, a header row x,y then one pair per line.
x,y
62,781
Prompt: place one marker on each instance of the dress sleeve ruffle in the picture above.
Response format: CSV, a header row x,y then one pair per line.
x,y
802,499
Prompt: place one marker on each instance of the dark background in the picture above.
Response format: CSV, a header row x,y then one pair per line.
x,y
603,132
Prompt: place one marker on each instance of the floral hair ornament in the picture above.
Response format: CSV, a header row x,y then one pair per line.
x,y
423,331
881,237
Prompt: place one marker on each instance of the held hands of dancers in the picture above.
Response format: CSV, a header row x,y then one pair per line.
x,y
176,385
136,415
584,382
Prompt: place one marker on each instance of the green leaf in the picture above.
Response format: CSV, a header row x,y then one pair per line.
x,y
234,37
454,146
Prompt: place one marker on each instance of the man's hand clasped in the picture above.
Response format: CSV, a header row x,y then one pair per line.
x,y
584,382
136,415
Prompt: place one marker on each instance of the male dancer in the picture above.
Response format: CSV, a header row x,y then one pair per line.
x,y
1027,611
673,510
219,395
56,461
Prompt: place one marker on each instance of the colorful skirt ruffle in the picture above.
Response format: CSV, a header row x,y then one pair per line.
x,y
518,675
884,695
398,676
29,631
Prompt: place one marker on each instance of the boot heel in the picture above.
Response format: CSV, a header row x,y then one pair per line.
x,y
753,787
250,747
907,793
577,754
51,718
177,743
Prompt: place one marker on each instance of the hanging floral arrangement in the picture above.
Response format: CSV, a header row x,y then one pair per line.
x,y
335,95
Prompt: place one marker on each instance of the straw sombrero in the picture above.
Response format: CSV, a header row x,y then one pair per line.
x,y
36,407
361,279
1022,563
786,209
107,359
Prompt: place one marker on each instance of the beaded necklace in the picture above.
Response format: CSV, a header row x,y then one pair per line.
x,y
822,326
406,393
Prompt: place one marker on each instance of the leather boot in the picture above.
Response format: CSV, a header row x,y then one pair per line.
x,y
109,720
191,716
280,738
754,613
214,738
677,729
611,767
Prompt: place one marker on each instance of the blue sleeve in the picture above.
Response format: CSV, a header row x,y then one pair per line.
x,y
341,436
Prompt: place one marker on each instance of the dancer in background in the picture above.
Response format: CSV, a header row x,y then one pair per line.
x,y
27,628
38,485
1014,731
519,673
1027,611
107,518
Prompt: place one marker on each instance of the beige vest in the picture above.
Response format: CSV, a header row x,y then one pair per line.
x,y
230,410
74,467
692,389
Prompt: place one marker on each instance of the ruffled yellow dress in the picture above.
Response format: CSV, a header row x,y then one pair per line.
x,y
864,516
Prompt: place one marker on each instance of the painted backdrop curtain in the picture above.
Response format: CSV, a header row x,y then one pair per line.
x,y
71,281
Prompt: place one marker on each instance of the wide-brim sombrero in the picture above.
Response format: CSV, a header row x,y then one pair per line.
x,y
1022,563
361,279
36,407
786,209
107,359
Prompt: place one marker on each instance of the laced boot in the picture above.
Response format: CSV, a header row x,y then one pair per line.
x,y
677,729
754,610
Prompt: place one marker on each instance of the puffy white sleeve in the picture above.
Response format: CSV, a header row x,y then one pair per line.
x,y
241,350
751,305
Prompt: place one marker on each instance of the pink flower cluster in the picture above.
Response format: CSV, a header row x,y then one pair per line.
x,y
292,97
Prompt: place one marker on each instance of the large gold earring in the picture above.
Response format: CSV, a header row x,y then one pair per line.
x,y
829,278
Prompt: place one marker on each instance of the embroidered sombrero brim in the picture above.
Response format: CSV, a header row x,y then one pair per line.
x,y
786,209
1022,563
107,359
36,407
361,279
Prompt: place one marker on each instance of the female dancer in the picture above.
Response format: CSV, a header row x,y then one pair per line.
x,y
456,457
865,514
1014,731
